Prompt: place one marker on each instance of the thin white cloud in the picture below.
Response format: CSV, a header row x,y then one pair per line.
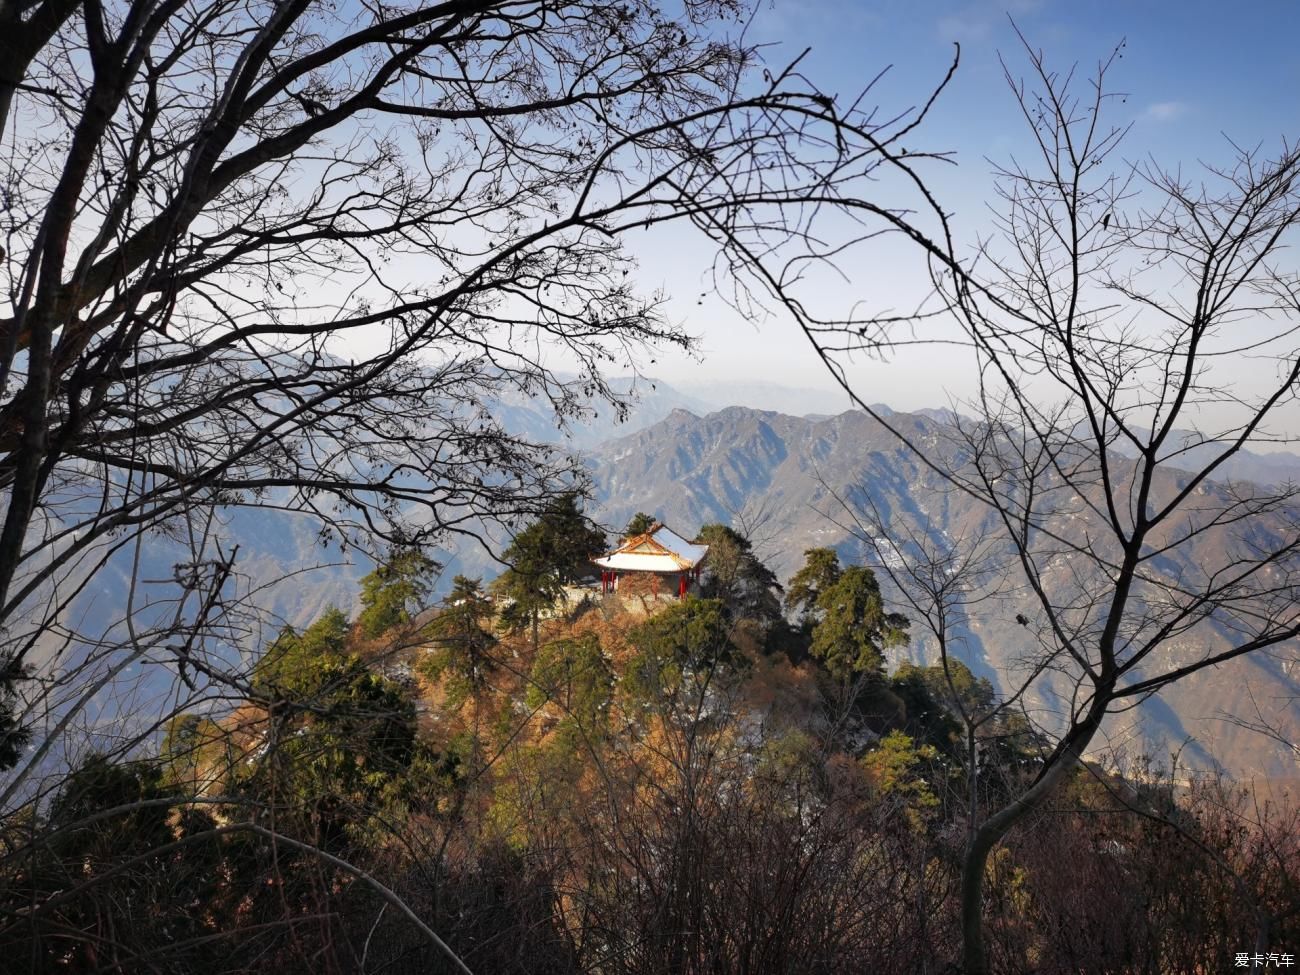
x,y
1165,111
977,21
968,28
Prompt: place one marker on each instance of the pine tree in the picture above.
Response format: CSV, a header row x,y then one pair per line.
x,y
639,525
747,588
464,643
552,552
821,570
395,591
292,659
855,629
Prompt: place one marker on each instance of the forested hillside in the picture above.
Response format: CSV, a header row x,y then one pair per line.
x,y
368,606
737,781
799,482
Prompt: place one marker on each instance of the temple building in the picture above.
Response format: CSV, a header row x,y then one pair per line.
x,y
659,563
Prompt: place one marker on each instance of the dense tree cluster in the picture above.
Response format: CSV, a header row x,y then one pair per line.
x,y
543,558
627,795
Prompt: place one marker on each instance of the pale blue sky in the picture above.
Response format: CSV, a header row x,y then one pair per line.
x,y
1194,73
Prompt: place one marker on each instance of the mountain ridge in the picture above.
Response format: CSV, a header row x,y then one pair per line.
x,y
691,470
780,474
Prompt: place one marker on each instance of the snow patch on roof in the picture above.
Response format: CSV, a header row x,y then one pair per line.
x,y
670,540
636,562
658,550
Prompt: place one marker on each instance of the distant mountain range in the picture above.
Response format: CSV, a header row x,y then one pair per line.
x,y
651,400
779,473
788,471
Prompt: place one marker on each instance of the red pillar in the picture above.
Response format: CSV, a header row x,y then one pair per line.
x,y
681,586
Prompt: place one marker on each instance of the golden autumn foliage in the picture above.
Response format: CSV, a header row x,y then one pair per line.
x,y
641,786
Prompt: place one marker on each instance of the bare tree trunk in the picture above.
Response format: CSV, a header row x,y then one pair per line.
x,y
992,831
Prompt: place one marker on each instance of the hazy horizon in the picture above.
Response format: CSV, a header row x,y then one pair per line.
x,y
1179,117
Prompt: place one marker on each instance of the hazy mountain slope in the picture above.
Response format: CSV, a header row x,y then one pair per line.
x,y
731,465
1185,450
648,402
825,400
692,470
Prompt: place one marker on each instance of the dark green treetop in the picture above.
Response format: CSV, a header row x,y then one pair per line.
x,y
395,591
747,588
552,552
574,674
855,628
464,639
821,570
566,539
930,713
685,646
291,660
639,525
348,733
